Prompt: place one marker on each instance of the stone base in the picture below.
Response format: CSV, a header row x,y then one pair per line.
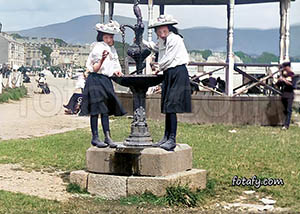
x,y
115,187
139,161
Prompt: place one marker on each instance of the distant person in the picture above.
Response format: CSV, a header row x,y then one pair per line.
x,y
74,104
205,82
221,85
80,83
194,81
3,70
212,82
42,84
286,84
7,71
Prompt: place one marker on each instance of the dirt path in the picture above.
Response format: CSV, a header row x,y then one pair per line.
x,y
41,184
40,114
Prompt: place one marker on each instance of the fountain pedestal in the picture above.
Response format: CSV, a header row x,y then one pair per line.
x,y
139,84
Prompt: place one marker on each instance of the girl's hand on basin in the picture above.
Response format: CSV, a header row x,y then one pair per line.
x,y
118,73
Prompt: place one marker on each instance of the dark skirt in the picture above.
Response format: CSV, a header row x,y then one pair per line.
x,y
99,97
176,91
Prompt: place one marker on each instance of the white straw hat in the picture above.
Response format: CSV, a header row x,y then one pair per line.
x,y
112,27
163,20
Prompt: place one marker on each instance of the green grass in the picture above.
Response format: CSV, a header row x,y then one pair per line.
x,y
15,203
75,188
57,152
13,94
19,203
266,152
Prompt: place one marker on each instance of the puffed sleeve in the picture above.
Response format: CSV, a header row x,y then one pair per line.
x,y
94,56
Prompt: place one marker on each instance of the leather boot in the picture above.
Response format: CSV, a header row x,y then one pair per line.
x,y
162,141
96,142
170,144
109,141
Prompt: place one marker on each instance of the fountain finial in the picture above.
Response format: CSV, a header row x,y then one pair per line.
x,y
138,51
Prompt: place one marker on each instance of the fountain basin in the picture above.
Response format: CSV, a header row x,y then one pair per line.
x,y
138,81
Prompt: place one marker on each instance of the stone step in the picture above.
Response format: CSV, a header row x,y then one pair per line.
x,y
114,186
140,161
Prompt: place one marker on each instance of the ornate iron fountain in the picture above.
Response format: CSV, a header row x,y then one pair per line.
x,y
138,83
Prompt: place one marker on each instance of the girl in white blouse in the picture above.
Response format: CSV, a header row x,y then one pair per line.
x,y
98,95
176,91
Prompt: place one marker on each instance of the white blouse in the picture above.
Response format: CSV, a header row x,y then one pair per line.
x,y
171,52
110,65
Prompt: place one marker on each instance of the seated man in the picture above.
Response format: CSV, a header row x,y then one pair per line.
x,y
73,107
42,84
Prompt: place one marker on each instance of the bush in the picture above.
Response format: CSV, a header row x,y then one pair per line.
x,y
13,94
75,188
181,195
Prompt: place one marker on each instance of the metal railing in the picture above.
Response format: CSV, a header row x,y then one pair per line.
x,y
245,87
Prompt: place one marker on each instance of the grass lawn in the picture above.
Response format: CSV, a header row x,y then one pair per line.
x,y
266,152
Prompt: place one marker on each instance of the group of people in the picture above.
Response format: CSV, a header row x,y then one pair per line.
x,y
16,71
99,98
211,82
5,71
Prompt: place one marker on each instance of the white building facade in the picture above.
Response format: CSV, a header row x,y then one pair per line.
x,y
12,52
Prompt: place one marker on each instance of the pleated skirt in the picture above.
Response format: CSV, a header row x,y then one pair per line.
x,y
99,97
176,91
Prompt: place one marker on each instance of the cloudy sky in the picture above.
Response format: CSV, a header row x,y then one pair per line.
x,y
24,14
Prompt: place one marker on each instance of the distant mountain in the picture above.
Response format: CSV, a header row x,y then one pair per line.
x,y
251,41
79,30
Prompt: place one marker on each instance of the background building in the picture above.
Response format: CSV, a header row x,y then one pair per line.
x,y
12,51
70,56
33,56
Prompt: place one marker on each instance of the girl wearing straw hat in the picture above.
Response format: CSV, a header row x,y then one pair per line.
x,y
176,91
98,95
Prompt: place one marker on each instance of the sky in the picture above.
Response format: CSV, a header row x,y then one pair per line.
x,y
23,14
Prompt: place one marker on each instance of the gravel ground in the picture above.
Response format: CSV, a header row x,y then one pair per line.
x,y
40,114
42,184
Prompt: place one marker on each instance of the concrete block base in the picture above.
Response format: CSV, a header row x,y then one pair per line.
x,y
142,162
115,187
80,178
195,179
107,186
